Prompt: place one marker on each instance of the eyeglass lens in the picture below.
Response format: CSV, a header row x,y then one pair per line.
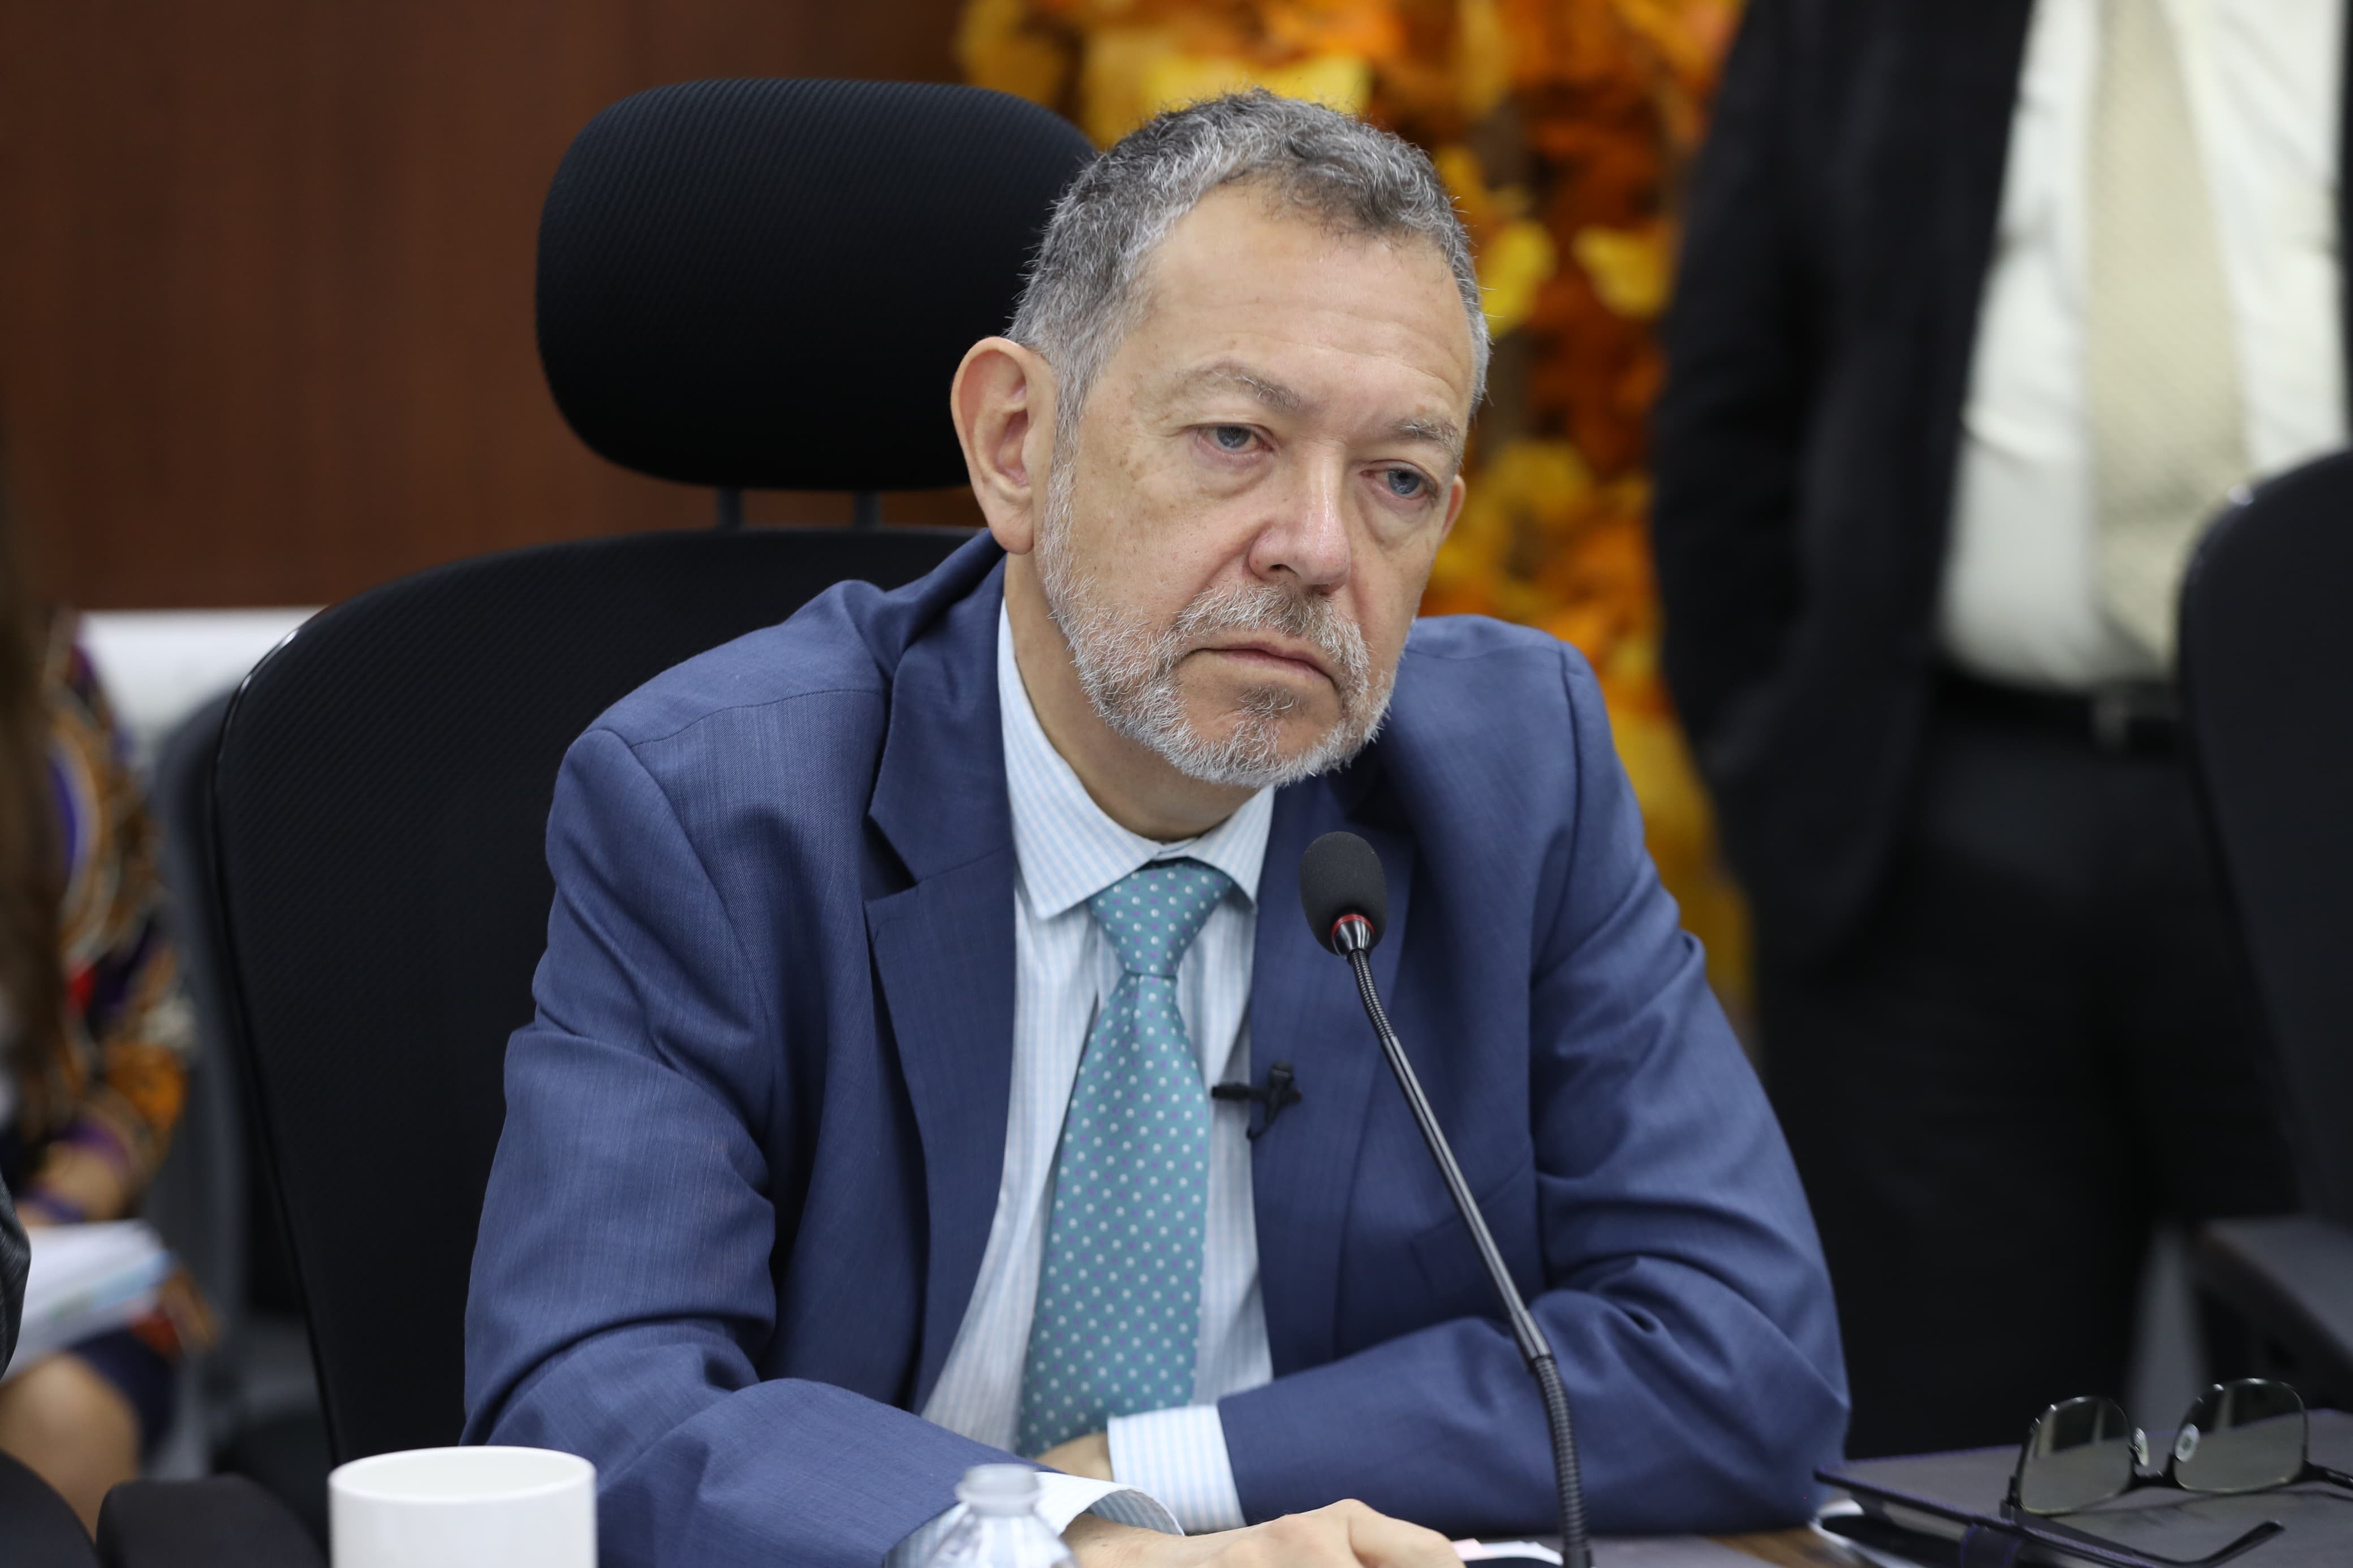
x,y
2080,1452
2241,1438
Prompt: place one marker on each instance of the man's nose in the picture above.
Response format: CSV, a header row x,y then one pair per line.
x,y
1307,538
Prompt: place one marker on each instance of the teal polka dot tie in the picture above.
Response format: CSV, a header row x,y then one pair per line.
x,y
1119,1295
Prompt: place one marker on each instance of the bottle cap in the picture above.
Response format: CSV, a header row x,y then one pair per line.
x,y
999,1488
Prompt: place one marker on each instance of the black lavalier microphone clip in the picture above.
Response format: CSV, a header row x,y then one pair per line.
x,y
1277,1093
1347,903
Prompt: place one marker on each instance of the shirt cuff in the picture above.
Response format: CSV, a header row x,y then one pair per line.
x,y
1061,1500
1178,1456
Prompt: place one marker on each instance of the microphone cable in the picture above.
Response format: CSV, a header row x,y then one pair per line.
x,y
1347,901
1355,935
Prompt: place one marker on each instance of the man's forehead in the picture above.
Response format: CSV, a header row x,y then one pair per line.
x,y
1241,250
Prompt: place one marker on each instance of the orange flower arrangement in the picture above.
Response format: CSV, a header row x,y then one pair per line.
x,y
1562,128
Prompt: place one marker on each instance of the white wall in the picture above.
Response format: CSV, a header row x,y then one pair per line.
x,y
159,665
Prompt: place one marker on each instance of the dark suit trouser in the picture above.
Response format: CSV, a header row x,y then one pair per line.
x,y
2043,1038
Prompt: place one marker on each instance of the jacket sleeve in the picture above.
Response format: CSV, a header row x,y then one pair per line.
x,y
1684,1291
1731,421
621,1285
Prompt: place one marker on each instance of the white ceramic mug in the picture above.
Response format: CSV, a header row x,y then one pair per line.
x,y
464,1507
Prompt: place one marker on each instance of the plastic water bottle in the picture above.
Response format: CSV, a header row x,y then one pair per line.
x,y
1001,1527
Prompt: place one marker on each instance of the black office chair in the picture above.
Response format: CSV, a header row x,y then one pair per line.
x,y
37,1527
761,284
256,1397
2267,675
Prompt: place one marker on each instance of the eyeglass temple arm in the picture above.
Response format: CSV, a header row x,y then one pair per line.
x,y
2083,1543
2313,1472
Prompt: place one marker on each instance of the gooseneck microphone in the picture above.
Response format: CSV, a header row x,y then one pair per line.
x,y
1347,903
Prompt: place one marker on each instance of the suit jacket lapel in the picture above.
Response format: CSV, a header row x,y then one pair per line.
x,y
943,947
1304,1010
2344,200
1979,47
1946,120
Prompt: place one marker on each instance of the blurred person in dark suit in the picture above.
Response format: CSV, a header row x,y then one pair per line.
x,y
1984,310
95,1035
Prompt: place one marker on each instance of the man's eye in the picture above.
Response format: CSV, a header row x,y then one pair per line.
x,y
1231,437
1405,484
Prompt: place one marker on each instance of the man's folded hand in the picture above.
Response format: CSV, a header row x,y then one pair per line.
x,y
1343,1535
1089,1455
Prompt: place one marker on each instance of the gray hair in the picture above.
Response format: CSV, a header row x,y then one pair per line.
x,y
1084,291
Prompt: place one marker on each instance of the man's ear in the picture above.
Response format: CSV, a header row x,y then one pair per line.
x,y
1003,406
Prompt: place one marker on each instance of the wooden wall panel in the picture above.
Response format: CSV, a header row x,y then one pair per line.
x,y
265,275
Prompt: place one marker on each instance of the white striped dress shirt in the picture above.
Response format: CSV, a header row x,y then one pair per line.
x,y
1068,850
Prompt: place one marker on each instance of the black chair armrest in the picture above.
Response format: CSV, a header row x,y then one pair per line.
x,y
222,1521
38,1528
2291,1278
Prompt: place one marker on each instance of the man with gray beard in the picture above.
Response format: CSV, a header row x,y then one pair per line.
x,y
865,1132
1128,672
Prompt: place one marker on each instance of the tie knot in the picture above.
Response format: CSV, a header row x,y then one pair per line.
x,y
1151,915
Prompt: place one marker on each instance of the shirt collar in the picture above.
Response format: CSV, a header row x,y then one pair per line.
x,y
1068,849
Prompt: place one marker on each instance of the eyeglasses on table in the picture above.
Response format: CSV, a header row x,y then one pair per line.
x,y
2248,1436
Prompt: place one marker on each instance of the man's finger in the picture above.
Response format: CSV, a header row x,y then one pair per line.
x,y
1380,1541
1316,1540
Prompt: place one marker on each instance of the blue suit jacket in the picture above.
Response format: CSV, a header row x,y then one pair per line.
x,y
754,1135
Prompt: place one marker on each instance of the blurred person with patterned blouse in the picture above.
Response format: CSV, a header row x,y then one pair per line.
x,y
95,1036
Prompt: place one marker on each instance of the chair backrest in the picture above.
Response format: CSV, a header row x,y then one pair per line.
x,y
214,1212
199,1199
381,795
2267,678
766,285
742,284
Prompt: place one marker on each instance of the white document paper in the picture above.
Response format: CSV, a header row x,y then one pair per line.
x,y
85,1279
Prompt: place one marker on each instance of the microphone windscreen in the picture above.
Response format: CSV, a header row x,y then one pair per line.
x,y
1341,876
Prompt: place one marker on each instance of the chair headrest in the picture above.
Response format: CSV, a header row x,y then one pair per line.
x,y
767,284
